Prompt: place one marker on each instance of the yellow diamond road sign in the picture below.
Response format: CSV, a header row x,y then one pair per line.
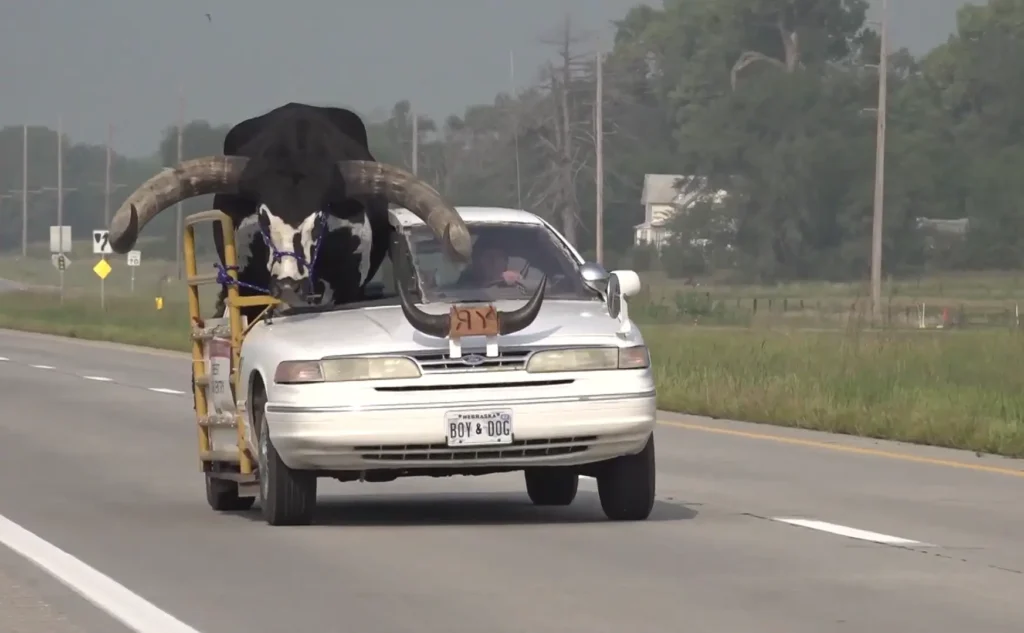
x,y
102,269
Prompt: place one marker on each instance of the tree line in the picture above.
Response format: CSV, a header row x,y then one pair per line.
x,y
771,101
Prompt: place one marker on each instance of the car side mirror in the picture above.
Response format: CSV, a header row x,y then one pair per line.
x,y
595,276
629,282
621,285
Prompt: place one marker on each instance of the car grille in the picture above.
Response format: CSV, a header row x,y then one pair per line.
x,y
443,453
443,363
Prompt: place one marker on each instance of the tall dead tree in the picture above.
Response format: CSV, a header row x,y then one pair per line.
x,y
790,48
554,127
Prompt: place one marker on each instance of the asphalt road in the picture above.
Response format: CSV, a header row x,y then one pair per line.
x,y
104,468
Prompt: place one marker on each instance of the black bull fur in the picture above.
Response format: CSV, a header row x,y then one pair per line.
x,y
297,135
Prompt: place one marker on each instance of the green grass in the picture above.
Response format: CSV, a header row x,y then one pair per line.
x,y
958,389
954,389
131,320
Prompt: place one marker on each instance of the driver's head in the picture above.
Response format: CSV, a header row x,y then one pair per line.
x,y
489,260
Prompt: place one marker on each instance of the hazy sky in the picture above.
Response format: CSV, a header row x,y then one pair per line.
x,y
92,62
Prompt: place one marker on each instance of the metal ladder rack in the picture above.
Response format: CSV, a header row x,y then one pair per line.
x,y
221,463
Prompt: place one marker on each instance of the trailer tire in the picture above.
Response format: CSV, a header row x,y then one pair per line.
x,y
222,495
287,497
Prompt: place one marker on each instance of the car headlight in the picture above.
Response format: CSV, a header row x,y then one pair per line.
x,y
588,359
297,372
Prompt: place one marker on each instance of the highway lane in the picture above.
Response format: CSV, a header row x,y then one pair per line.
x,y
106,470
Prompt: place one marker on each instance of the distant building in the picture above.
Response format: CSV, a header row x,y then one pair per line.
x,y
956,226
662,199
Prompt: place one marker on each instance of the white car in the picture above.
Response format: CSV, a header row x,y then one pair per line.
x,y
361,393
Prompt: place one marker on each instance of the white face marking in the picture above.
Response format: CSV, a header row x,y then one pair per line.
x,y
282,236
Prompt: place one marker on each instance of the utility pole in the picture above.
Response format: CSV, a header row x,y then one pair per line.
x,y
515,123
60,197
415,143
178,228
24,190
599,161
876,224
106,180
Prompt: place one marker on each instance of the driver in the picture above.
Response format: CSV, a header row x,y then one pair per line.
x,y
488,266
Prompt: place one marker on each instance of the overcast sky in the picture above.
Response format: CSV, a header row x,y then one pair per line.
x,y
92,62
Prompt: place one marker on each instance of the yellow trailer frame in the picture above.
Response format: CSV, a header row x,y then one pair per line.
x,y
235,464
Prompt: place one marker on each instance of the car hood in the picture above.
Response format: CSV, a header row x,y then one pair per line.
x,y
383,329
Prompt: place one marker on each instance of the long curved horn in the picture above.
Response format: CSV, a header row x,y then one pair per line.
x,y
370,178
438,324
196,177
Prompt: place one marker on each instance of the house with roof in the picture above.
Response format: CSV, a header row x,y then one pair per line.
x,y
662,197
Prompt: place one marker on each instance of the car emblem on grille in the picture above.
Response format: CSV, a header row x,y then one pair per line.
x,y
473,360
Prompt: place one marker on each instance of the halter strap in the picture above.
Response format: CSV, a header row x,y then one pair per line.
x,y
224,279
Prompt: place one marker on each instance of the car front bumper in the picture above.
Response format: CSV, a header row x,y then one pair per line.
x,y
547,431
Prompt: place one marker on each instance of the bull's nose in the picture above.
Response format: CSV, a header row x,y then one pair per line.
x,y
287,291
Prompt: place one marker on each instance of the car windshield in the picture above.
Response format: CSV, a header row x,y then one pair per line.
x,y
509,259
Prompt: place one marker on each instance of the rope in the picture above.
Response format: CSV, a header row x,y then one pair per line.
x,y
224,279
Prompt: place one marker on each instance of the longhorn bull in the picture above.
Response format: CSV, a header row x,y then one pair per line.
x,y
310,207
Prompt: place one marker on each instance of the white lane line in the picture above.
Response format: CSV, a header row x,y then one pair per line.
x,y
173,392
3,358
849,532
42,366
122,604
98,378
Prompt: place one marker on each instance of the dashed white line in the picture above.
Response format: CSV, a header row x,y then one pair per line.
x,y
42,366
3,358
127,607
173,392
849,532
98,378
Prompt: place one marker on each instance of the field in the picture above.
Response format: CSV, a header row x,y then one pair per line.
x,y
815,367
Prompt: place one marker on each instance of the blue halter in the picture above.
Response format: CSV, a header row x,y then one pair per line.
x,y
224,279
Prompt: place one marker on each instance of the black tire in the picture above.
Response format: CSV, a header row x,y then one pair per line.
x,y
287,497
626,485
551,486
222,495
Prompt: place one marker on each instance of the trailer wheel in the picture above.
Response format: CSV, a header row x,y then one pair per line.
x,y
222,495
287,497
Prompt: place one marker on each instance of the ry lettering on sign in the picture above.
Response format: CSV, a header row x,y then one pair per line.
x,y
473,321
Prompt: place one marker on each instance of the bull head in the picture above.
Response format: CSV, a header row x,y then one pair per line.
x,y
224,174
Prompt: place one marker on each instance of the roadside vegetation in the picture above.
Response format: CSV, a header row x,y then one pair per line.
x,y
959,388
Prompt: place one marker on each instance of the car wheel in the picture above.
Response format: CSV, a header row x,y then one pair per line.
x,y
287,497
222,495
626,485
551,486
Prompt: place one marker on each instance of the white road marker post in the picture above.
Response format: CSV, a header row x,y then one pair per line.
x,y
134,261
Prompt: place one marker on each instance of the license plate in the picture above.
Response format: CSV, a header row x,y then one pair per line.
x,y
477,428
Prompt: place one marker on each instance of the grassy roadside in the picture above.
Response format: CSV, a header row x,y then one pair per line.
x,y
958,390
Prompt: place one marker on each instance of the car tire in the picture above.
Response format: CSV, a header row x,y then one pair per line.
x,y
551,486
626,485
287,497
222,495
